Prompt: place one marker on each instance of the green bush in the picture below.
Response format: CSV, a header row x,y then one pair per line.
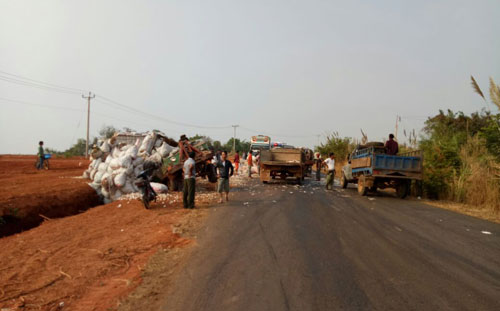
x,y
447,144
340,146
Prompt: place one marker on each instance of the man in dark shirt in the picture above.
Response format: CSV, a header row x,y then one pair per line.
x,y
391,146
41,155
226,170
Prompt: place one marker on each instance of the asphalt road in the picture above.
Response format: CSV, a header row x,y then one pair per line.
x,y
278,248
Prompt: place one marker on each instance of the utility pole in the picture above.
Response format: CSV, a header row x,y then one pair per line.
x,y
234,137
398,119
88,121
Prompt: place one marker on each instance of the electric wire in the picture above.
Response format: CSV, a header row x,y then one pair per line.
x,y
42,82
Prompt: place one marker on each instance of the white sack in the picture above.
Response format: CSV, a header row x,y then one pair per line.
x,y
132,152
115,164
120,180
155,158
159,188
108,159
92,174
165,150
98,176
125,161
116,153
105,147
102,167
128,188
129,171
158,143
138,161
147,144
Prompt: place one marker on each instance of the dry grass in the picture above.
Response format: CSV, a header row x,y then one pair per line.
x,y
478,183
466,209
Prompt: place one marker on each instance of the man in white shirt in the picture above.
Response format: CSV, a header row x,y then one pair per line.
x,y
330,164
188,190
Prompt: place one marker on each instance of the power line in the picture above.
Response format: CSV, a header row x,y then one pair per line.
x,y
129,109
39,105
74,109
24,81
42,82
39,86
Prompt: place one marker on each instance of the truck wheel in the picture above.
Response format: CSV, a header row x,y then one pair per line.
x,y
402,189
362,189
343,181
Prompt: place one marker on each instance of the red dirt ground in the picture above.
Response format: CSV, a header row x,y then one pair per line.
x,y
88,261
25,192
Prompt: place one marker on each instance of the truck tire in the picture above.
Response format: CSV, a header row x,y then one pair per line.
x,y
343,181
402,189
362,189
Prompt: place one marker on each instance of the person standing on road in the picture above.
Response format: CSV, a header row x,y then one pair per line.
x,y
236,162
226,170
188,190
330,165
41,155
249,162
319,163
391,146
257,161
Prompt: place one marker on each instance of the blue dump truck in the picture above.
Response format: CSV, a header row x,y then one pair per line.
x,y
371,168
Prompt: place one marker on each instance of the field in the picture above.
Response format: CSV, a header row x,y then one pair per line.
x,y
89,259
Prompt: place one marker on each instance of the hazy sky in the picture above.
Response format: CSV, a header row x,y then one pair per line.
x,y
295,68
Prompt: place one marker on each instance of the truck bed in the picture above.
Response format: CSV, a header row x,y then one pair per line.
x,y
368,162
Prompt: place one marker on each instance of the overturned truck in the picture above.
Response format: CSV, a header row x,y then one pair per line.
x,y
117,161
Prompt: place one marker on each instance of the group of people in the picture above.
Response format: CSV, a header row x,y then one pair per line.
x,y
391,147
224,168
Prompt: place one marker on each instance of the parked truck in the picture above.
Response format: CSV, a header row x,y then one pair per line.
x,y
371,168
282,163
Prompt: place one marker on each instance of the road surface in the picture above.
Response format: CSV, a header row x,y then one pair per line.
x,y
287,247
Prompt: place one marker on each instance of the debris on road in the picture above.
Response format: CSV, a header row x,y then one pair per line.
x,y
485,232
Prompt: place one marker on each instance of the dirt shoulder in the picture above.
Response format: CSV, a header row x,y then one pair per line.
x,y
91,260
465,209
26,193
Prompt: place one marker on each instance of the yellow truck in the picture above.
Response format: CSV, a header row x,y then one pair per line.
x,y
282,163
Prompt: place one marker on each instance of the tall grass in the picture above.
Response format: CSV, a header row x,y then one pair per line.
x,y
477,182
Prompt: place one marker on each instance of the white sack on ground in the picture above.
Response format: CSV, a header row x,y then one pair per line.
x,y
159,188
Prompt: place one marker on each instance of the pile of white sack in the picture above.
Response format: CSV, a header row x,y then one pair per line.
x,y
115,165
